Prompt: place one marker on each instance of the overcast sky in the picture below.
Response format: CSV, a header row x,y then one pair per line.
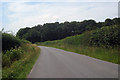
x,y
28,13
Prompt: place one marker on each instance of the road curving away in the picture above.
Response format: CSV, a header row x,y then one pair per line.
x,y
57,63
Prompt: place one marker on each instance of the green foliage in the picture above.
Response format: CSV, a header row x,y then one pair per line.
x,y
10,56
106,36
32,36
25,41
18,57
57,31
17,63
9,41
15,54
22,32
108,22
6,60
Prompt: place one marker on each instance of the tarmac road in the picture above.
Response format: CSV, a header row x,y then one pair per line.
x,y
57,63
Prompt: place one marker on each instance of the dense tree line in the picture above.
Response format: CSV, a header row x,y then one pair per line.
x,y
56,31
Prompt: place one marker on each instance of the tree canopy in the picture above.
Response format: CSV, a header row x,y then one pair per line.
x,y
56,31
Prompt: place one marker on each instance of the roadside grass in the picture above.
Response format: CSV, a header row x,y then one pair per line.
x,y
21,68
110,54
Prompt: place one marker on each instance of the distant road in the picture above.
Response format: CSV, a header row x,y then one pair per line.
x,y
57,63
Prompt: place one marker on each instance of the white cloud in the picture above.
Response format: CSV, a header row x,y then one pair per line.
x,y
25,14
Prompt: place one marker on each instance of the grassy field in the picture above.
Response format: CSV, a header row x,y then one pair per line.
x,y
84,44
19,69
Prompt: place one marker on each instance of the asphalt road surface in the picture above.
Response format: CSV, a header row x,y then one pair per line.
x,y
57,63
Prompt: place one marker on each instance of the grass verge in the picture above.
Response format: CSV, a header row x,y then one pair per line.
x,y
21,68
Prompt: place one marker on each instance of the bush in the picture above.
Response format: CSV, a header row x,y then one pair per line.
x,y
15,54
19,69
25,41
5,60
10,56
9,41
106,36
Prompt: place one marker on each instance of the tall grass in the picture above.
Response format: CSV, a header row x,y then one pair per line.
x,y
21,68
106,54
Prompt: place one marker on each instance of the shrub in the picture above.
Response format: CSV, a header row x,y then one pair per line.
x,y
106,36
15,54
10,56
19,69
25,41
6,61
9,41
